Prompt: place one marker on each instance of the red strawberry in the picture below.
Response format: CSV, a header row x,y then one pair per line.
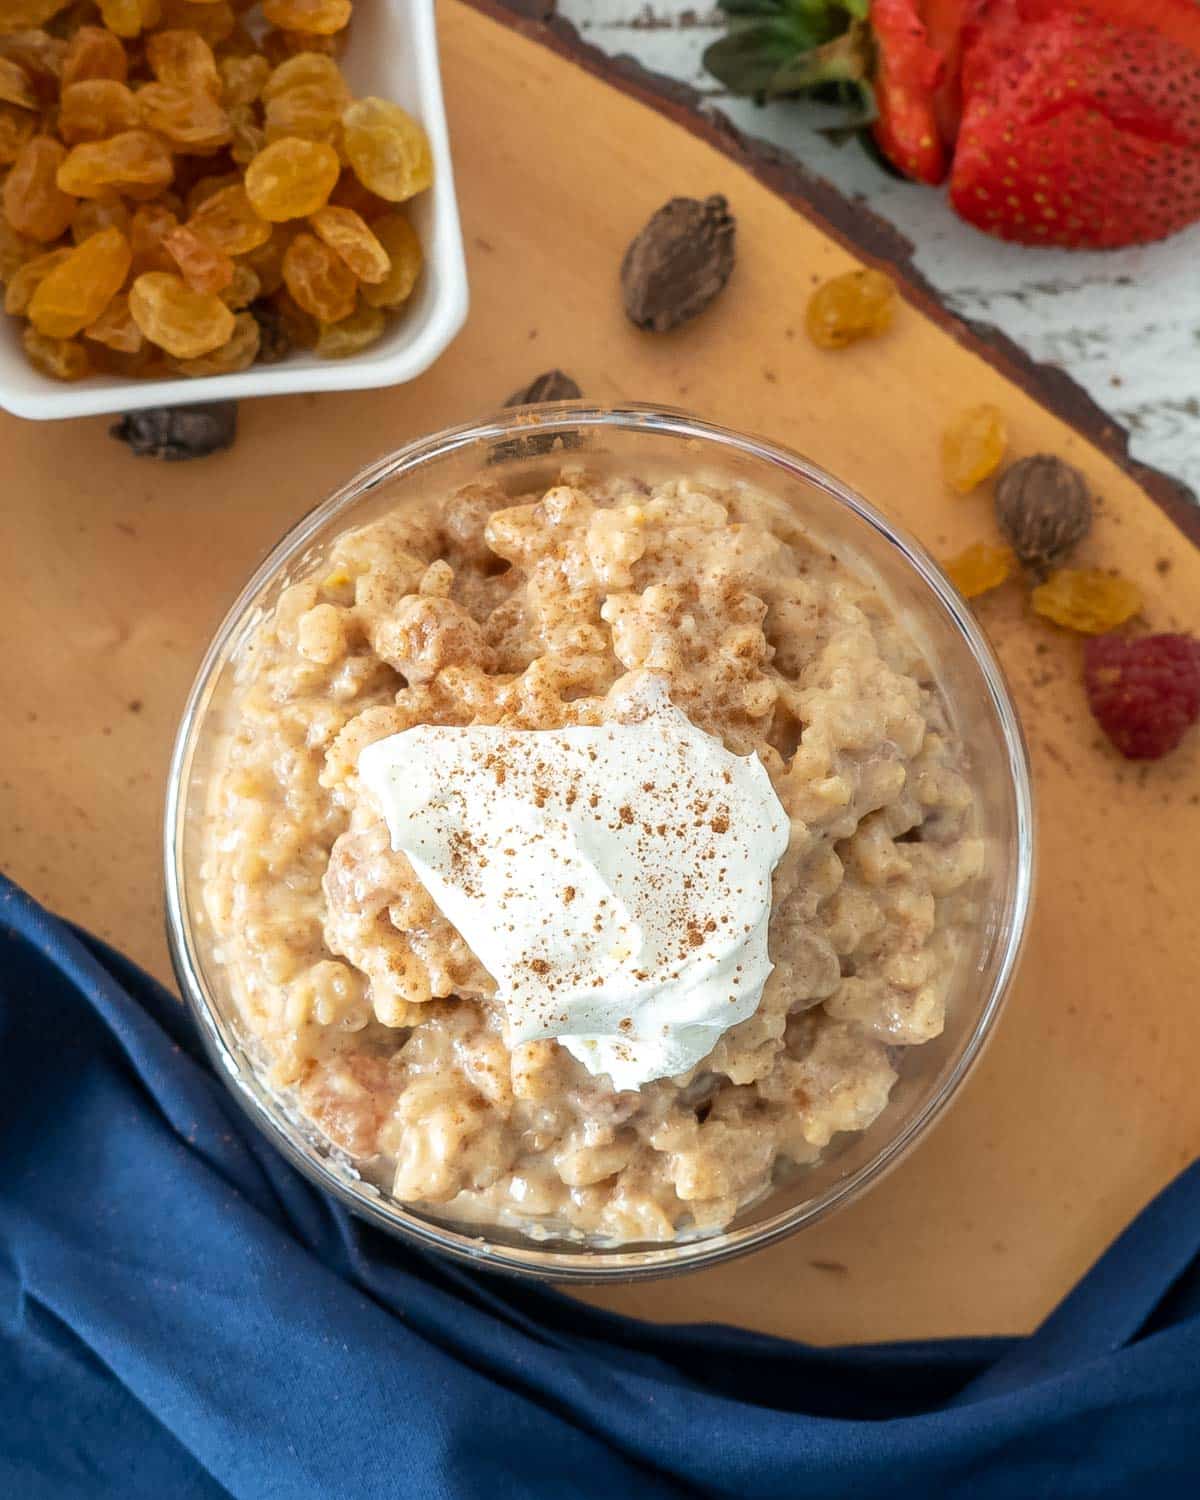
x,y
1081,121
1064,122
944,22
908,73
1144,692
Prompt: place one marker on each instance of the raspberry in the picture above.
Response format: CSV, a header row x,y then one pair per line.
x,y
1145,692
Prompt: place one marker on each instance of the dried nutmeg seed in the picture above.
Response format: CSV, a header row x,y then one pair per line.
x,y
176,433
1044,509
678,263
551,385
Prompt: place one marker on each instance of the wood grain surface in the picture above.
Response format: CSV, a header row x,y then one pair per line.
x,y
117,570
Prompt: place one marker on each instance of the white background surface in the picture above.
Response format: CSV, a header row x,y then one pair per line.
x,y
1125,324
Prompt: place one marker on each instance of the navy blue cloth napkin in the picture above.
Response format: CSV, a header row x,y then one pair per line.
x,y
182,1315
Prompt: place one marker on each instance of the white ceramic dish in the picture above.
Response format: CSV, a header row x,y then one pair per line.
x,y
392,53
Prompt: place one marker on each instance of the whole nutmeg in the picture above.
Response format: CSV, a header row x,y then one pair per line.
x,y
678,263
551,385
1044,510
178,433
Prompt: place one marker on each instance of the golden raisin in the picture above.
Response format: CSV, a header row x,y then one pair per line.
x,y
33,201
183,322
96,108
346,234
92,214
1087,600
343,339
129,162
227,219
202,265
40,57
26,279
146,363
16,127
280,45
322,17
184,60
148,230
387,148
855,305
128,18
321,282
399,239
93,53
194,123
78,290
238,352
243,288
16,87
310,112
214,22
243,78
62,359
207,187
247,137
241,42
972,447
15,249
19,13
291,179
350,193
115,328
305,96
307,70
979,568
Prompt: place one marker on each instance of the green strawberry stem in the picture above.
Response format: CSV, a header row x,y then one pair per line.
x,y
783,48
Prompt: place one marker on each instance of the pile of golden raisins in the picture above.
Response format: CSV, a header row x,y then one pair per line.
x,y
189,186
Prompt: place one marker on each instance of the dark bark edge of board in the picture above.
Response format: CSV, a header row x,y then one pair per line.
x,y
859,229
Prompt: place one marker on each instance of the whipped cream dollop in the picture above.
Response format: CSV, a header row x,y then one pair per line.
x,y
615,881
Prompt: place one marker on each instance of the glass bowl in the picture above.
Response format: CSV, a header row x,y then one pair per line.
x,y
519,450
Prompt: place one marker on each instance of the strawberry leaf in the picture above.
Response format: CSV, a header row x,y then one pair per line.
x,y
749,57
782,48
819,14
847,59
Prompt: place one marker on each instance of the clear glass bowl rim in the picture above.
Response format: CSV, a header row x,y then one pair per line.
x,y
530,1261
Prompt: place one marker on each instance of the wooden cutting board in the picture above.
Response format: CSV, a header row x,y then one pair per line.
x,y
116,571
